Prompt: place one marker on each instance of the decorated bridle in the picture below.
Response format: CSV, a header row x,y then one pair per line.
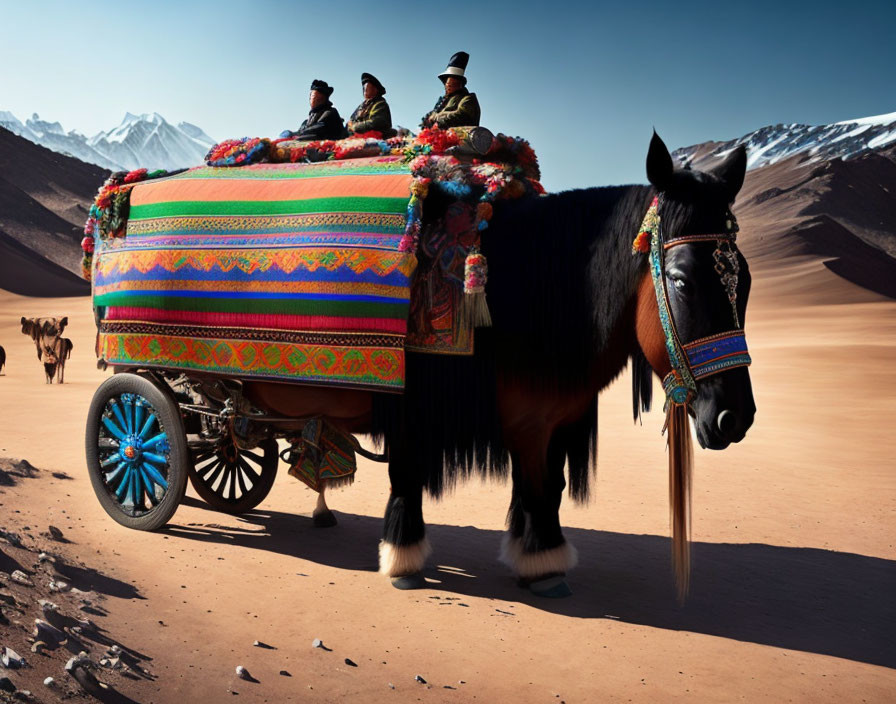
x,y
701,358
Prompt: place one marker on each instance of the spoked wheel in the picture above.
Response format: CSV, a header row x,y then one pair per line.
x,y
136,451
231,479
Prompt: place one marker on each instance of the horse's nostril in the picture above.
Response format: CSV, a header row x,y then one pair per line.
x,y
726,422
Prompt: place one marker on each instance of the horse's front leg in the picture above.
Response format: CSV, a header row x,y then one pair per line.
x,y
404,547
534,546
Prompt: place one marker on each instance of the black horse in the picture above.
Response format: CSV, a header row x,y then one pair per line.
x,y
571,305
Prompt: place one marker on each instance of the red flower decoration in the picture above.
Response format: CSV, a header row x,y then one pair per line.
x,y
641,243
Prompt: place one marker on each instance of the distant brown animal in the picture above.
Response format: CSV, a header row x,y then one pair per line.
x,y
43,331
2,358
46,334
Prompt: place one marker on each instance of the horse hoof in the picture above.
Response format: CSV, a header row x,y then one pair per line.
x,y
324,519
410,581
551,588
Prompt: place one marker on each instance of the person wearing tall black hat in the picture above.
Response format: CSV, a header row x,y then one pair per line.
x,y
373,114
458,106
323,121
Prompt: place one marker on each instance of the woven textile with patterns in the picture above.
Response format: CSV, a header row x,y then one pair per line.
x,y
299,271
277,271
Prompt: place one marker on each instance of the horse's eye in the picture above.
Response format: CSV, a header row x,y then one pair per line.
x,y
679,283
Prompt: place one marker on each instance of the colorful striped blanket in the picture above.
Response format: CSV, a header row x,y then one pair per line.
x,y
277,271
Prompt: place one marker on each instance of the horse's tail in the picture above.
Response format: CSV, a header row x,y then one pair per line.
x,y
681,463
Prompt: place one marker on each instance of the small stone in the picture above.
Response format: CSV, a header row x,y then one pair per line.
x,y
242,673
85,623
115,663
77,668
46,557
11,538
115,649
49,682
317,643
6,685
47,605
55,532
419,679
21,578
12,659
38,647
58,586
391,686
350,662
259,644
47,632
23,695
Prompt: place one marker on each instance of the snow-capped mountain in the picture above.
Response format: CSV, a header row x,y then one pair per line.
x,y
774,143
139,141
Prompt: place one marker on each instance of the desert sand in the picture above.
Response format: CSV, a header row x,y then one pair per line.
x,y
793,592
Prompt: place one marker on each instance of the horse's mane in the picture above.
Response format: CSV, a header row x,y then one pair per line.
x,y
552,315
556,313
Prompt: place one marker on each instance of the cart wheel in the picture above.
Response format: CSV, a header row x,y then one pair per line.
x,y
136,451
233,480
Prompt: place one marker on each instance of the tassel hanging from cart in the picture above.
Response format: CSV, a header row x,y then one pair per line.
x,y
475,306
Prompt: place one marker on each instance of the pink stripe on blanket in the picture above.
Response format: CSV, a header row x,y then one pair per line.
x,y
261,321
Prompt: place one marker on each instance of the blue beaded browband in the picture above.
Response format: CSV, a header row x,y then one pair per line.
x,y
701,358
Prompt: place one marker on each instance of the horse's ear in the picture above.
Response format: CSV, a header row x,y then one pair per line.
x,y
62,324
732,171
659,163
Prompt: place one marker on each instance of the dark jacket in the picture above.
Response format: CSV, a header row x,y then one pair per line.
x,y
323,123
459,108
372,115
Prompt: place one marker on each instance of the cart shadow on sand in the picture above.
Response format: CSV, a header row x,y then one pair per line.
x,y
819,601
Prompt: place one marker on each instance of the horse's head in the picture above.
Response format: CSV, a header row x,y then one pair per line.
x,y
706,282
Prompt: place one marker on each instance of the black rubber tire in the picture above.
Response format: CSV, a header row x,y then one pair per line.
x,y
168,421
209,469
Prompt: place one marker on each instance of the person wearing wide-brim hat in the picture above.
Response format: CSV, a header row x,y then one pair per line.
x,y
373,114
458,106
323,121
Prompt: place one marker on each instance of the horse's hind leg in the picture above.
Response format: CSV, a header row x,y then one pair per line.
x,y
404,547
534,546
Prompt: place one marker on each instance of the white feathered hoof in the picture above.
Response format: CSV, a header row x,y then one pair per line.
x,y
400,561
535,567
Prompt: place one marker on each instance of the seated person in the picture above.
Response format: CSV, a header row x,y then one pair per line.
x,y
458,106
373,114
323,121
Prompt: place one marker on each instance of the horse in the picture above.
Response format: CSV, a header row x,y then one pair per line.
x,y
572,300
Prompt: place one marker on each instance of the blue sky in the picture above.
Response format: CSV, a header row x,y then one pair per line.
x,y
584,82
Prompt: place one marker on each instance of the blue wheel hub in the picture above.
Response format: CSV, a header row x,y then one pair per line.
x,y
134,451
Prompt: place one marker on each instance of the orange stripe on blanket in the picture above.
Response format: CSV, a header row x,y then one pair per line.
x,y
377,186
